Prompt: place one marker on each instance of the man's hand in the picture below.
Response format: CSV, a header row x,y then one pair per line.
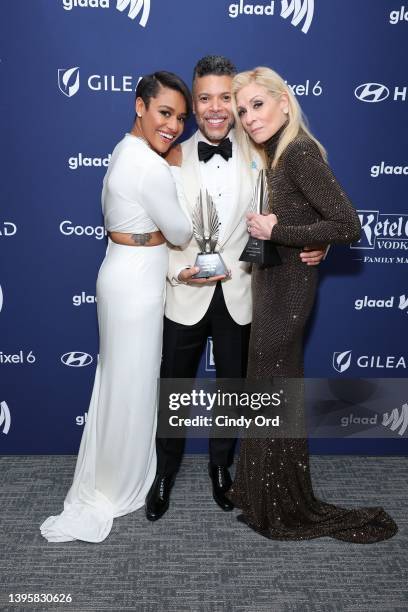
x,y
312,255
185,276
174,156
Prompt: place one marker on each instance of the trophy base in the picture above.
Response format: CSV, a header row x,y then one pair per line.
x,y
210,264
262,252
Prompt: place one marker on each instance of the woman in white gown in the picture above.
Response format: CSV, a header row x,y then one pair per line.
x,y
116,464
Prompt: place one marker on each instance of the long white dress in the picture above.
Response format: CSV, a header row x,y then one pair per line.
x,y
116,463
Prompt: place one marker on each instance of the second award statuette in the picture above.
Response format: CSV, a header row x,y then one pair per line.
x,y
262,252
206,228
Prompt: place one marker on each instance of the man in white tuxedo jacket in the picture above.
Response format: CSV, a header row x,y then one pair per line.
x,y
220,307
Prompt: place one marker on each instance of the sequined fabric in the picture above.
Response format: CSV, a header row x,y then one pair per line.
x,y
273,484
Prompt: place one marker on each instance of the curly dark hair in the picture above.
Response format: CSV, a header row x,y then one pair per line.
x,y
214,64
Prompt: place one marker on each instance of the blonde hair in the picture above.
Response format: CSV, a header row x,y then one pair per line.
x,y
276,86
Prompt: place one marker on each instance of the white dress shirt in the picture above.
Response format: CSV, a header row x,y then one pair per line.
x,y
218,176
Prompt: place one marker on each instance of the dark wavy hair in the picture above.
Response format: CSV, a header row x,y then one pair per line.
x,y
149,86
214,64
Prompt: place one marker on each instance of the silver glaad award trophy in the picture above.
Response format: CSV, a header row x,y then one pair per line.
x,y
206,229
262,252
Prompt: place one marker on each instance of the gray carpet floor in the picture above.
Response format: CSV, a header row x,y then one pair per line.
x,y
198,558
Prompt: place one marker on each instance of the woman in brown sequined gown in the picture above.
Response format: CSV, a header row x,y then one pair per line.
x,y
272,485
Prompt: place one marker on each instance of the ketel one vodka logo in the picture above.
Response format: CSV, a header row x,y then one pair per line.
x,y
298,11
382,231
131,7
5,419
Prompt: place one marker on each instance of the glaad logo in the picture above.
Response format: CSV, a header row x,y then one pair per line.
x,y
76,359
341,361
300,9
81,419
5,419
87,162
297,10
7,228
135,7
209,356
383,169
367,302
68,229
68,81
396,16
395,420
78,300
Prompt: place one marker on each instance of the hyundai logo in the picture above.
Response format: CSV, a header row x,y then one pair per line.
x,y
341,361
371,92
76,359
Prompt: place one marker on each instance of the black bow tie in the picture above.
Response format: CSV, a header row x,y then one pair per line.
x,y
206,151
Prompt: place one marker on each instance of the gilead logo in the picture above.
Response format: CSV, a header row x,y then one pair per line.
x,y
342,361
68,81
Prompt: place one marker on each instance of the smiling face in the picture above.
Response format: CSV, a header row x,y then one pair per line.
x,y
162,121
212,106
261,114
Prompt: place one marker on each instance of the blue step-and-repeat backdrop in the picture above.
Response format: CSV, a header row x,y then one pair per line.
x,y
68,72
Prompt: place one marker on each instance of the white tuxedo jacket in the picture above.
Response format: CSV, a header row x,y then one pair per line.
x,y
187,304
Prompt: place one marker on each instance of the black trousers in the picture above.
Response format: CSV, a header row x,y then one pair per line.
x,y
182,349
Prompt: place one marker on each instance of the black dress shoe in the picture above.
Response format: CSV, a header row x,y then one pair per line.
x,y
221,482
158,498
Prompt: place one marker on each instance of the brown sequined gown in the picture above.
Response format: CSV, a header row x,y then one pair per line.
x,y
272,485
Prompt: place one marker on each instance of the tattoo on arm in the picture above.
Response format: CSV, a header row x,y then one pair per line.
x,y
141,239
